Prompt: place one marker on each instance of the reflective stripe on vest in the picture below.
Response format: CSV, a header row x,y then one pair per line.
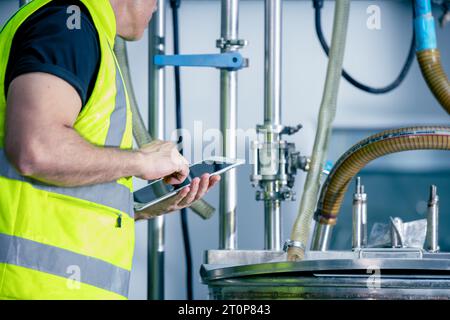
x,y
113,194
118,119
34,255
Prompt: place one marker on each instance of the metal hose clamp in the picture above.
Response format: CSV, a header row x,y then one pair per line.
x,y
293,243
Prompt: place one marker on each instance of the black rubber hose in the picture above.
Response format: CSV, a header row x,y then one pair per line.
x,y
318,5
175,5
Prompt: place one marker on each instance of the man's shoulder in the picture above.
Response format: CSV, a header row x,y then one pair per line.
x,y
51,41
62,14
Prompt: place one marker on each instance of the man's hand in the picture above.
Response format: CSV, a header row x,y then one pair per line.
x,y
196,190
161,159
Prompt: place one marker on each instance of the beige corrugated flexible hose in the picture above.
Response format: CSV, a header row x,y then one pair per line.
x,y
301,229
140,133
435,76
371,148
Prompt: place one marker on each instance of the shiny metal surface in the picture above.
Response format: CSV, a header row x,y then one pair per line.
x,y
272,117
272,222
432,239
228,125
342,278
330,287
397,232
272,80
242,257
156,120
359,221
321,237
226,258
276,269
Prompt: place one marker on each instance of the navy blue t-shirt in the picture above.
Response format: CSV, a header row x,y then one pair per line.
x,y
45,43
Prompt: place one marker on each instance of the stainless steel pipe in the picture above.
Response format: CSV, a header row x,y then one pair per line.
x,y
322,237
272,115
272,222
433,221
359,221
228,126
156,121
272,62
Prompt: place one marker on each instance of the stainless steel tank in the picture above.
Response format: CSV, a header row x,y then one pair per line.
x,y
360,274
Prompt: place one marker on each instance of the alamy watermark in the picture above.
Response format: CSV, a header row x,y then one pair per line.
x,y
200,143
374,280
374,20
74,20
74,279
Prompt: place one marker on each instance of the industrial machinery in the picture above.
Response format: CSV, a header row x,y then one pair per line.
x,y
397,260
403,261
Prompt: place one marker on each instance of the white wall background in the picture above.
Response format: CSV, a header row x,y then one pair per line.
x,y
373,56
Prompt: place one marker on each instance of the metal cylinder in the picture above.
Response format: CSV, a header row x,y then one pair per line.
x,y
322,237
272,80
255,158
359,238
272,221
228,126
396,232
433,221
272,117
156,120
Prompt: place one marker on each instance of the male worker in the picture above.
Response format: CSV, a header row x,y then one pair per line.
x,y
66,158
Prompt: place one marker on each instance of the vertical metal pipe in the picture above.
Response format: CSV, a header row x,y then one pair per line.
x,y
433,221
228,125
156,120
322,237
272,62
272,114
396,232
272,222
359,221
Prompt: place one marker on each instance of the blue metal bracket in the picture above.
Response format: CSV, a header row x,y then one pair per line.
x,y
230,61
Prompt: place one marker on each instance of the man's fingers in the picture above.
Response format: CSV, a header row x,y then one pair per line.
x,y
213,181
183,172
174,179
177,177
179,197
190,197
203,187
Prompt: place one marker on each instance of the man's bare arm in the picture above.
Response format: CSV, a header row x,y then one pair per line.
x,y
41,142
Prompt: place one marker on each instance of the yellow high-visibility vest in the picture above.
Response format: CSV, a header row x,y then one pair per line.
x,y
69,243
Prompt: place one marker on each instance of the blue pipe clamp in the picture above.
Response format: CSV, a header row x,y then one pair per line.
x,y
230,61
